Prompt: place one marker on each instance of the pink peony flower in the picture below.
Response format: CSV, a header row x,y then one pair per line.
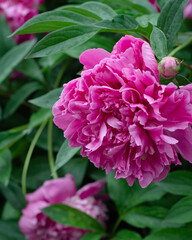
x,y
17,13
121,115
169,67
37,226
187,12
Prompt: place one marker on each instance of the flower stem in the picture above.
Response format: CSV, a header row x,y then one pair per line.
x,y
28,157
180,47
59,77
50,148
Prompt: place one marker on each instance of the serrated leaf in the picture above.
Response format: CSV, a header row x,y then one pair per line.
x,y
19,97
145,216
177,182
158,43
47,100
63,39
51,21
126,235
65,154
181,212
69,216
171,18
12,58
171,233
5,166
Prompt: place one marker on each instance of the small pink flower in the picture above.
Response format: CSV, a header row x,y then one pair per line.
x,y
121,115
17,13
37,226
169,67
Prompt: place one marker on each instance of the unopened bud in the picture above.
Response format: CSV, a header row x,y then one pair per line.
x,y
169,67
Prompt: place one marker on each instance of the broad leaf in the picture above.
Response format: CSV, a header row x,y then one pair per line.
x,y
40,116
12,58
126,235
65,154
92,236
5,166
63,39
19,97
69,216
158,43
47,100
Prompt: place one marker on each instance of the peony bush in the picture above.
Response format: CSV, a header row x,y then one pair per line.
x,y
95,128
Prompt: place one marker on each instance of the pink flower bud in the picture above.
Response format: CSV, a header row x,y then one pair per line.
x,y
169,67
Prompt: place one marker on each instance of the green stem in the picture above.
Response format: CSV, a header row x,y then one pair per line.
x,y
50,148
59,77
28,157
180,47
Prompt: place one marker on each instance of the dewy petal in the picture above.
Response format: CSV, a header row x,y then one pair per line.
x,y
91,189
91,57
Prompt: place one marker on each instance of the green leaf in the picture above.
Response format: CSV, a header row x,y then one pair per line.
x,y
63,39
19,97
65,154
171,233
9,212
177,182
145,216
69,216
47,100
30,68
51,21
13,194
5,42
158,43
161,3
171,18
92,236
182,80
126,235
40,116
7,138
100,9
126,197
5,166
12,58
144,20
9,230
181,212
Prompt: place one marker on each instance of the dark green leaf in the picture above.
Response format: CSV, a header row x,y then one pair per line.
x,y
69,216
181,212
63,39
158,43
65,154
9,212
161,3
145,216
47,100
13,194
171,18
171,233
7,138
182,80
9,230
38,117
126,235
92,236
5,166
12,58
51,21
19,97
177,182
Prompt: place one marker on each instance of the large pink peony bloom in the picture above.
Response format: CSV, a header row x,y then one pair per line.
x,y
37,226
121,115
17,12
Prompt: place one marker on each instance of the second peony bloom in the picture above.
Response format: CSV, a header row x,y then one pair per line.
x,y
121,115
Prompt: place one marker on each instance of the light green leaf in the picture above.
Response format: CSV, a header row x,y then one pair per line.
x,y
158,43
171,18
126,235
40,116
65,154
63,39
12,58
144,20
177,182
92,236
5,166
47,100
171,233
19,97
69,216
7,138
